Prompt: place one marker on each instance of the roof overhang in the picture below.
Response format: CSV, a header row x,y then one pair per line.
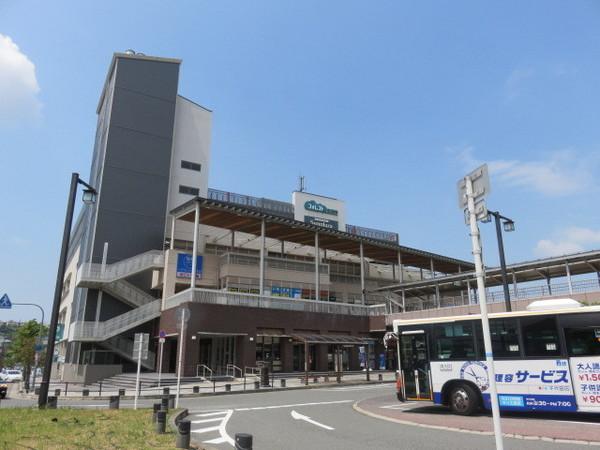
x,y
332,339
247,220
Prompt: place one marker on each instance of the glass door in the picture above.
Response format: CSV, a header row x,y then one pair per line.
x,y
415,366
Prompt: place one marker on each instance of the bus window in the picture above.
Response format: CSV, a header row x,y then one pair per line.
x,y
540,336
505,337
454,341
583,341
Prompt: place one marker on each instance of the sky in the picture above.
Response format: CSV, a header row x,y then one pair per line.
x,y
385,105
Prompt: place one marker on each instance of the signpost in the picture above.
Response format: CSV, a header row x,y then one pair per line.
x,y
140,347
161,343
472,190
183,315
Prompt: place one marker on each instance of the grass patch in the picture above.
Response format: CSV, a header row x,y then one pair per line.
x,y
29,428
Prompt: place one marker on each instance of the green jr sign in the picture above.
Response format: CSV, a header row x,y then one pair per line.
x,y
311,205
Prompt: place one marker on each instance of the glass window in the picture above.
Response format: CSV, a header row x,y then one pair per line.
x,y
190,165
540,336
188,190
505,337
454,341
583,341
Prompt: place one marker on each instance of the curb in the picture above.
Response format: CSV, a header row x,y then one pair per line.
x,y
464,430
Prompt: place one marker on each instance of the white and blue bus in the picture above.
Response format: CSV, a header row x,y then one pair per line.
x,y
547,358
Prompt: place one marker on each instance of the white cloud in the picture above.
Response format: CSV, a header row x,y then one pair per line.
x,y
561,173
513,85
569,240
18,84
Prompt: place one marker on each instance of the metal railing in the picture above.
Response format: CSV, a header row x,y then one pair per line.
x,y
127,292
124,347
100,331
90,272
524,293
251,371
211,297
372,233
204,369
272,263
276,207
234,371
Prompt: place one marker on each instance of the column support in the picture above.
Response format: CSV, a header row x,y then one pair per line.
x,y
232,240
569,278
261,281
317,274
195,247
469,292
362,274
400,268
515,289
172,243
437,287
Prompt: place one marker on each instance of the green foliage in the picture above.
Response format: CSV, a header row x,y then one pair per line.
x,y
21,351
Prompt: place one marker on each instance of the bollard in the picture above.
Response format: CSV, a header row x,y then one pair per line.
x,y
171,401
161,421
326,379
379,377
57,392
113,403
282,382
155,410
227,388
183,434
338,378
164,403
315,379
121,392
196,389
36,391
257,384
52,402
85,392
243,441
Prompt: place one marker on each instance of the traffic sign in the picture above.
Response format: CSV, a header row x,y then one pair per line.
x,y
141,339
162,334
481,186
5,302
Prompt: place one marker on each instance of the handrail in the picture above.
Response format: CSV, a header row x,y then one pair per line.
x,y
251,371
91,272
205,369
234,369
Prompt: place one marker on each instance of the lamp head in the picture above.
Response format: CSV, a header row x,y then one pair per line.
x,y
509,226
89,196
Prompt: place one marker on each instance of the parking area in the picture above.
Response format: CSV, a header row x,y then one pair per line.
x,y
558,427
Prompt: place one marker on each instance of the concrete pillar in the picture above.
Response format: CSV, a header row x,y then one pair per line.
x,y
437,287
362,275
569,278
400,268
232,240
173,222
321,356
287,355
317,274
469,292
195,249
515,289
262,258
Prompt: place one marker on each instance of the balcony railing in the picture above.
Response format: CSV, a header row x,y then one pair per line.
x,y
97,273
273,263
211,297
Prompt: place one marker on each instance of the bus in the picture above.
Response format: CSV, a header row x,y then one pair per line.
x,y
546,358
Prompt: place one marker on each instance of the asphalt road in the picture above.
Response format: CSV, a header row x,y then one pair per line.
x,y
313,419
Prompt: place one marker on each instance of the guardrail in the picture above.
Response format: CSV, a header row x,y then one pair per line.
x,y
212,297
92,272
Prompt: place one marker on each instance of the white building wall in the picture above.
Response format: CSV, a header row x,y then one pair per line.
x,y
191,142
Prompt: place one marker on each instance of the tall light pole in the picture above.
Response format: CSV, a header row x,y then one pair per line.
x,y
509,225
89,197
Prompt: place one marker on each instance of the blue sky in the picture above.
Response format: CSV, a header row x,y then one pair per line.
x,y
383,104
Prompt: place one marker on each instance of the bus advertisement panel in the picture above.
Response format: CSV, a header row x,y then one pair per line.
x,y
586,382
543,385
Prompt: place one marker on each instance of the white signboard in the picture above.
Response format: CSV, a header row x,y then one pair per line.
x,y
319,210
586,382
522,385
142,339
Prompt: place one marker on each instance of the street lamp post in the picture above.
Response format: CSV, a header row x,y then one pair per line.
x,y
89,197
509,225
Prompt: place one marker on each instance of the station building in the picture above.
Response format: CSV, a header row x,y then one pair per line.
x,y
276,282
289,284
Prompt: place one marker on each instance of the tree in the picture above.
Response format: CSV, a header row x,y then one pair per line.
x,y
22,348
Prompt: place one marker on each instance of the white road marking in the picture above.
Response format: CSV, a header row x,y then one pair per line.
x,y
214,416
398,405
299,416
257,408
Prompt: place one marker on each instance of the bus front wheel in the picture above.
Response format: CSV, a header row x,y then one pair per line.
x,y
463,400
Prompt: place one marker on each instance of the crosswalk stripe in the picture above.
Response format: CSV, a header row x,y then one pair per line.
x,y
214,419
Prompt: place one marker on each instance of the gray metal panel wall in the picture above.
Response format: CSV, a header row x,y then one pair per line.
x,y
135,176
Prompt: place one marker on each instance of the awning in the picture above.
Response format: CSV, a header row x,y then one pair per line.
x,y
332,339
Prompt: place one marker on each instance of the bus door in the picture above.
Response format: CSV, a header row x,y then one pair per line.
x,y
415,365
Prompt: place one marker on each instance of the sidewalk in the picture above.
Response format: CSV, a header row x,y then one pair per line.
x,y
557,427
203,387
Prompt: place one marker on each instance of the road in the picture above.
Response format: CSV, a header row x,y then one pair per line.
x,y
315,419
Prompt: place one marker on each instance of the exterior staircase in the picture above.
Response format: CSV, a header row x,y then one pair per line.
x,y
96,275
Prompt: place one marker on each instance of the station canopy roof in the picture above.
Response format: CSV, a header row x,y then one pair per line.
x,y
245,219
539,269
332,339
